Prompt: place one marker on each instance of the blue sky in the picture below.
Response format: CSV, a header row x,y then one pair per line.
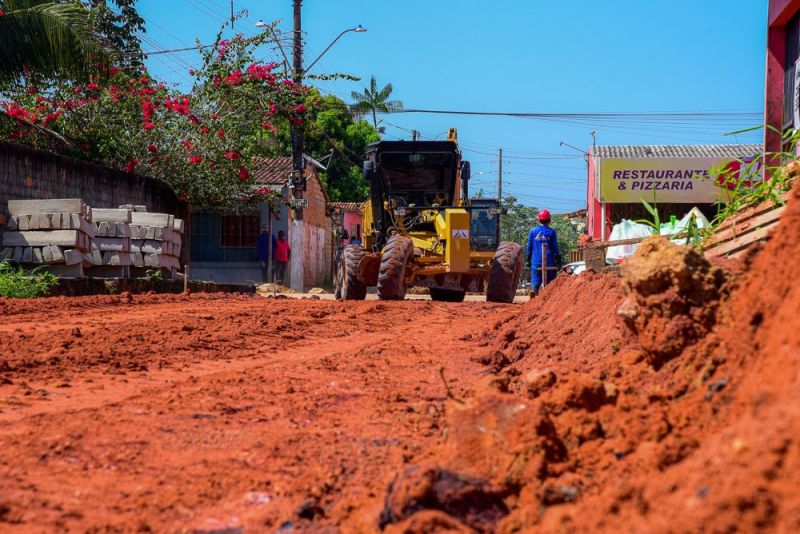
x,y
515,55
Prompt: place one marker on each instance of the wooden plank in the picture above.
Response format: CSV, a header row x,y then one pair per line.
x,y
744,226
38,257
27,255
53,205
632,241
111,215
64,238
47,254
6,253
752,212
17,257
741,242
151,219
177,224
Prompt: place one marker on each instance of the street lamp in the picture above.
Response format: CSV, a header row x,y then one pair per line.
x,y
357,29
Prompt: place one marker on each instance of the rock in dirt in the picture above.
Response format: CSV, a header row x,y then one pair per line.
x,y
430,522
538,381
493,359
502,438
471,501
583,393
672,295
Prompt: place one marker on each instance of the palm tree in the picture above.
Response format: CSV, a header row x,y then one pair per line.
x,y
48,38
375,101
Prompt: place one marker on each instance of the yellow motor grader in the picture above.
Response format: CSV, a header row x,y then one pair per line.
x,y
421,229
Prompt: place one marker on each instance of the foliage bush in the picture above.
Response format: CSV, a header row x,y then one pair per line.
x,y
740,188
15,282
203,143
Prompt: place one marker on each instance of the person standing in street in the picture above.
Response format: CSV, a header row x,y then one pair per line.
x,y
538,236
262,245
282,254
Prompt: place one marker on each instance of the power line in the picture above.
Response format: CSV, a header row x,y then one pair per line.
x,y
625,115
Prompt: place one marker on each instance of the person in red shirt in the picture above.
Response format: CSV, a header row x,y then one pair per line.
x,y
282,253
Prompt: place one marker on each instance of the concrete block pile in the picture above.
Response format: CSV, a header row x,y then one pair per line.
x,y
56,234
111,253
156,240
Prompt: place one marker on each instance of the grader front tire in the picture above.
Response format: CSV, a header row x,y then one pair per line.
x,y
504,276
349,286
391,276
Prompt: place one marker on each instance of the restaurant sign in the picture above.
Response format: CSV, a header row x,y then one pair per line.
x,y
673,180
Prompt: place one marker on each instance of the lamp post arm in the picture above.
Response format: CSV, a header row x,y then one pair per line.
x,y
328,48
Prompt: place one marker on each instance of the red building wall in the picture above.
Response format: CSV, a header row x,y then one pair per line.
x,y
780,11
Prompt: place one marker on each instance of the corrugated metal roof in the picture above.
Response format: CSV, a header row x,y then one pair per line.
x,y
679,151
355,207
272,171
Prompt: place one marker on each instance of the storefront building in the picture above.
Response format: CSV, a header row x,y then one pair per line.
x,y
781,109
674,177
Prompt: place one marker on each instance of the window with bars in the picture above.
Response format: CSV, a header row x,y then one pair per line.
x,y
789,71
239,231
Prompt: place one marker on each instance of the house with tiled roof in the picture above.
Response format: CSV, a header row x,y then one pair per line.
x,y
352,213
675,177
224,244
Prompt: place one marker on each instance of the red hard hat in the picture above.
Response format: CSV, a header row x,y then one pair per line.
x,y
544,215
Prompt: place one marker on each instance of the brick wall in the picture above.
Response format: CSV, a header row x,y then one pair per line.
x,y
317,239
27,173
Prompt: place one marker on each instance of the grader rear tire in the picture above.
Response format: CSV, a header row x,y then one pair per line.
x,y
447,295
391,276
505,273
349,287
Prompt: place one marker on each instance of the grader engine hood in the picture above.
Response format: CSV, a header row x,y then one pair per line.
x,y
452,227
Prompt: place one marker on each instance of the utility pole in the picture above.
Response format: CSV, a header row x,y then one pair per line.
x,y
298,181
414,135
499,176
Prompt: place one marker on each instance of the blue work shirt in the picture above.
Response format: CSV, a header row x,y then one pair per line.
x,y
537,236
263,246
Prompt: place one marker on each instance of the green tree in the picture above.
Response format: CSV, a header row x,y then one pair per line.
x,y
120,25
374,101
49,39
332,130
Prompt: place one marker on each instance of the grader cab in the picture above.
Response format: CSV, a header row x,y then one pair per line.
x,y
421,229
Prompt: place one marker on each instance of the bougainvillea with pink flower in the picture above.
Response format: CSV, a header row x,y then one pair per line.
x,y
201,143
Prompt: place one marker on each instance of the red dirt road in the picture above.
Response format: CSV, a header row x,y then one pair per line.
x,y
664,400
199,413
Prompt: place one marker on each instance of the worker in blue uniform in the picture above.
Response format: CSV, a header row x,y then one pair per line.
x,y
539,235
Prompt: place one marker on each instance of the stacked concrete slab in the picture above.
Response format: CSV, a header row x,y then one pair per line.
x,y
111,253
156,240
56,234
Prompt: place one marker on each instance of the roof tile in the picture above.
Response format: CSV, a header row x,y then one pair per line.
x,y
355,207
272,171
679,151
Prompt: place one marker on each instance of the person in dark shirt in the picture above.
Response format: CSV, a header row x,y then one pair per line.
x,y
262,245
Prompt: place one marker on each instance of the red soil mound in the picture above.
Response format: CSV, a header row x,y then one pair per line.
x,y
681,416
